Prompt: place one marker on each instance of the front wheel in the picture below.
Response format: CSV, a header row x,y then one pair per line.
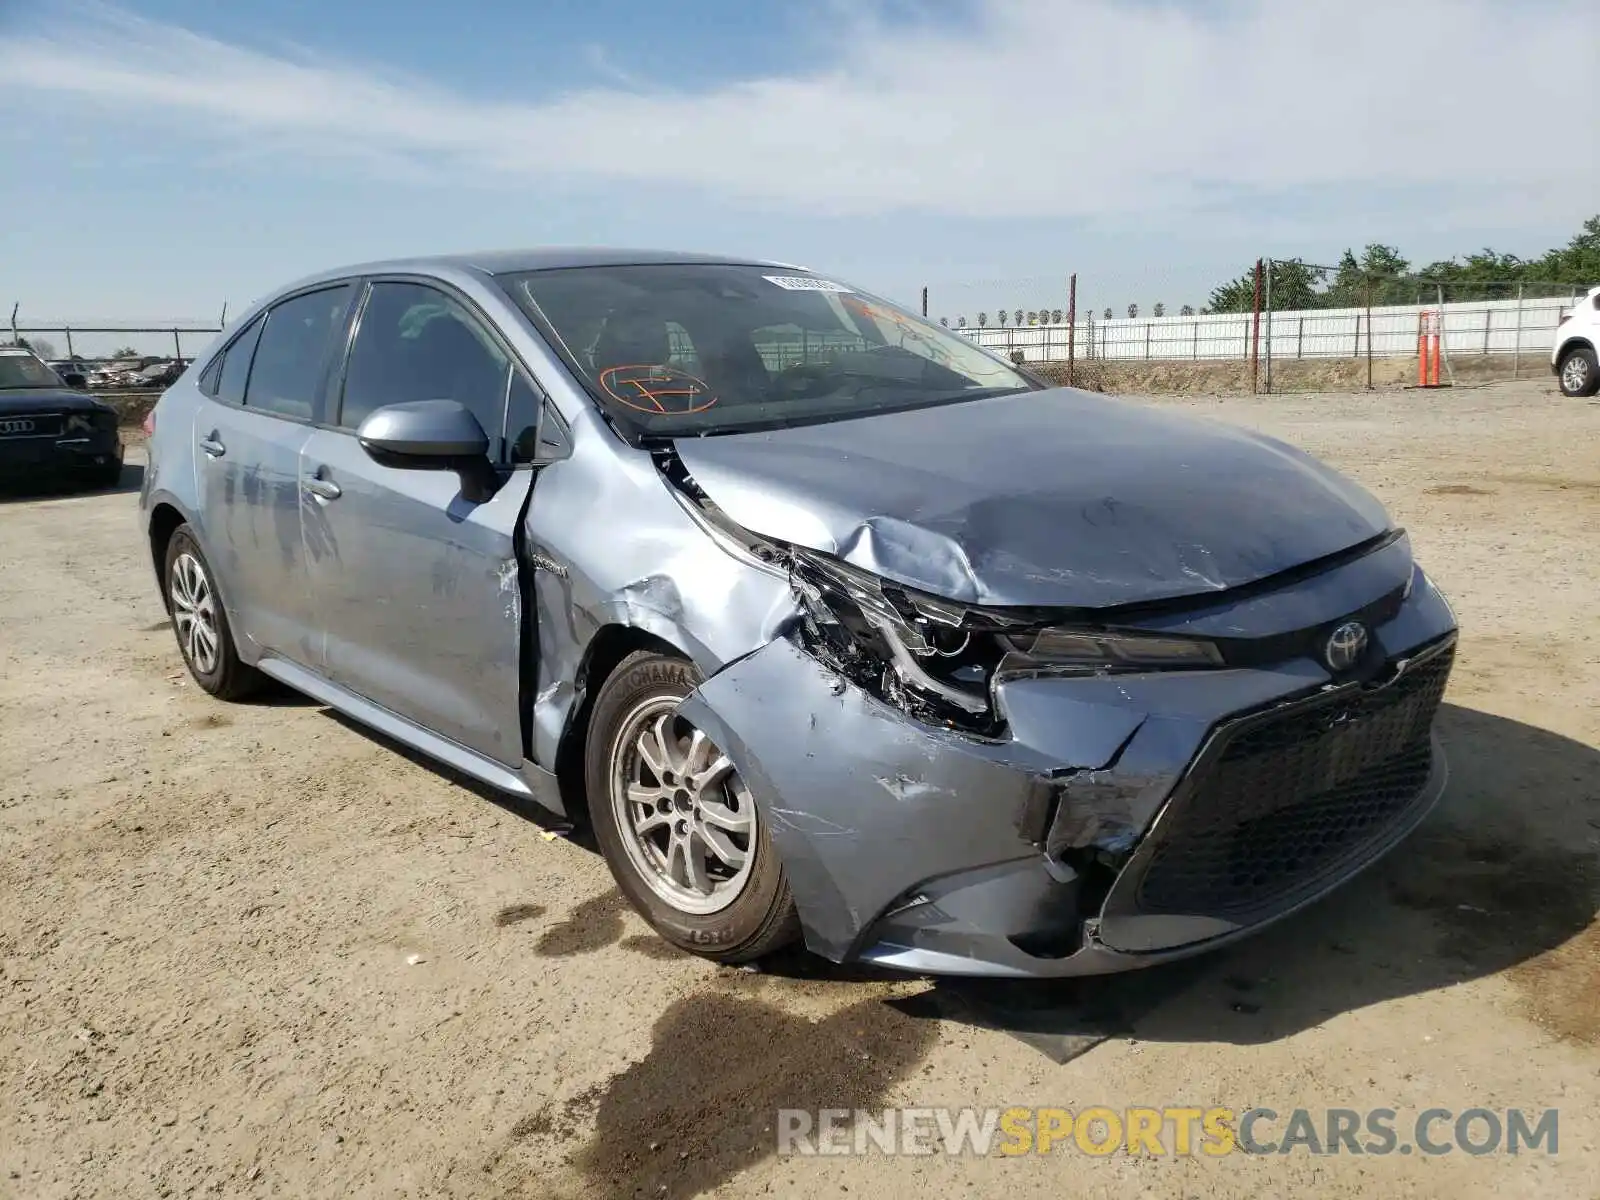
x,y
1579,374
678,827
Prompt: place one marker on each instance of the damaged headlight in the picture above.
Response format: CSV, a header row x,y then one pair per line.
x,y
943,656
1097,652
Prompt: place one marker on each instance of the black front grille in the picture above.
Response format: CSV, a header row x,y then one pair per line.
x,y
1282,800
30,425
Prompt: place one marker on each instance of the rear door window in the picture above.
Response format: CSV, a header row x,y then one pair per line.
x,y
291,354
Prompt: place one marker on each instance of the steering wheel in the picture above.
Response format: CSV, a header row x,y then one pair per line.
x,y
657,389
803,381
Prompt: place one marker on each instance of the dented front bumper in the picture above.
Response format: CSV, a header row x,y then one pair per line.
x,y
1120,821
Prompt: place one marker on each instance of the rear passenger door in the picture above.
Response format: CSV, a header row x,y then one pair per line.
x,y
416,587
263,399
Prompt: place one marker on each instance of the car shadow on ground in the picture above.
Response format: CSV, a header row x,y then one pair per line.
x,y
1503,877
66,488
527,810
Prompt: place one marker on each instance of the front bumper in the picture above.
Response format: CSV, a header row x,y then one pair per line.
x,y
99,451
1124,821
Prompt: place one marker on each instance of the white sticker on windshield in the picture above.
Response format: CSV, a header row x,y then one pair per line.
x,y
806,283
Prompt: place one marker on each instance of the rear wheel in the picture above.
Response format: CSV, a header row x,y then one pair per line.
x,y
1579,374
201,623
679,828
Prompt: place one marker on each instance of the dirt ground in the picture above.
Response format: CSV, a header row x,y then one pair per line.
x,y
253,951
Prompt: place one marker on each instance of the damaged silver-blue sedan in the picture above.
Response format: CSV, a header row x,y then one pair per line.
x,y
832,624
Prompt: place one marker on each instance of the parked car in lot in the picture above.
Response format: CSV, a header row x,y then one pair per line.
x,y
832,623
1573,358
50,432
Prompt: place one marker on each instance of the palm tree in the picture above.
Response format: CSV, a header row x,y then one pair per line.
x,y
1016,317
1160,310
983,319
961,322
945,321
1133,311
1055,316
1186,311
1004,316
1108,314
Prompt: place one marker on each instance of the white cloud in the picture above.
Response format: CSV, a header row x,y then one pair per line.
x,y
1072,108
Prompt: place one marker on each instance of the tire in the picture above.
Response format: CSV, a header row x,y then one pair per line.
x,y
192,601
1579,375
737,907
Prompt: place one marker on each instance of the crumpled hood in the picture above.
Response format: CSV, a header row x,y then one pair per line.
x,y
1053,498
13,400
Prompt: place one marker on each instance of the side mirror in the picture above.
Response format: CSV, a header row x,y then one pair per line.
x,y
432,435
74,380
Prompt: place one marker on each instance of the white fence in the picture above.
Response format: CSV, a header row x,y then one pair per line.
x,y
1525,327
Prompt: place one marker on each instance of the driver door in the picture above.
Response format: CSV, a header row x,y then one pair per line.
x,y
417,588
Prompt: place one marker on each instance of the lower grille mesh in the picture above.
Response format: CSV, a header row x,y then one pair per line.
x,y
1281,801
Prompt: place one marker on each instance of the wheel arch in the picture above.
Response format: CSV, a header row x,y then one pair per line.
x,y
603,654
166,519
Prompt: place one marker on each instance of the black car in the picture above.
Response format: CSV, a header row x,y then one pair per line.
x,y
50,432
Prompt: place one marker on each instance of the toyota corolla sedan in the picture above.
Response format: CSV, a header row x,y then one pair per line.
x,y
833,624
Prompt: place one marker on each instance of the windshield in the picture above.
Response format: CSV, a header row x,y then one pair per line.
x,y
676,349
26,371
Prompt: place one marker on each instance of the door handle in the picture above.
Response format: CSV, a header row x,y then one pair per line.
x,y
324,489
212,446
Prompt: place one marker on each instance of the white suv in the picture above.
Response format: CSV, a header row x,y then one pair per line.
x,y
1577,338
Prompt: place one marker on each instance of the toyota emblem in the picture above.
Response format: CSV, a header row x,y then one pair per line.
x,y
16,425
1346,645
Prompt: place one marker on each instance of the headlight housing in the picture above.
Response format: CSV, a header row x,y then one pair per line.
x,y
96,419
945,656
1097,652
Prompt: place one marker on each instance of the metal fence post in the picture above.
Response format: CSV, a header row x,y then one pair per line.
x,y
1369,335
1488,315
924,301
1516,339
1255,334
14,308
1269,327
1072,330
1300,338
68,332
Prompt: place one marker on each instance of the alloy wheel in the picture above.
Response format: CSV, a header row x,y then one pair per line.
x,y
194,613
1575,373
688,821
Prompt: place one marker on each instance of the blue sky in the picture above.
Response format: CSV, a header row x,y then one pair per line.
x,y
165,156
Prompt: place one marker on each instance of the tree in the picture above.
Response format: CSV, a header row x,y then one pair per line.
x,y
961,322
1186,311
1004,316
1160,310
1108,314
983,319
1016,317
1055,316
41,347
945,321
1033,318
125,352
1133,311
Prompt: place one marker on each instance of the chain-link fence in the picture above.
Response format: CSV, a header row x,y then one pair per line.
x,y
95,342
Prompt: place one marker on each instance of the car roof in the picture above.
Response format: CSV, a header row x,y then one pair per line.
x,y
549,258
